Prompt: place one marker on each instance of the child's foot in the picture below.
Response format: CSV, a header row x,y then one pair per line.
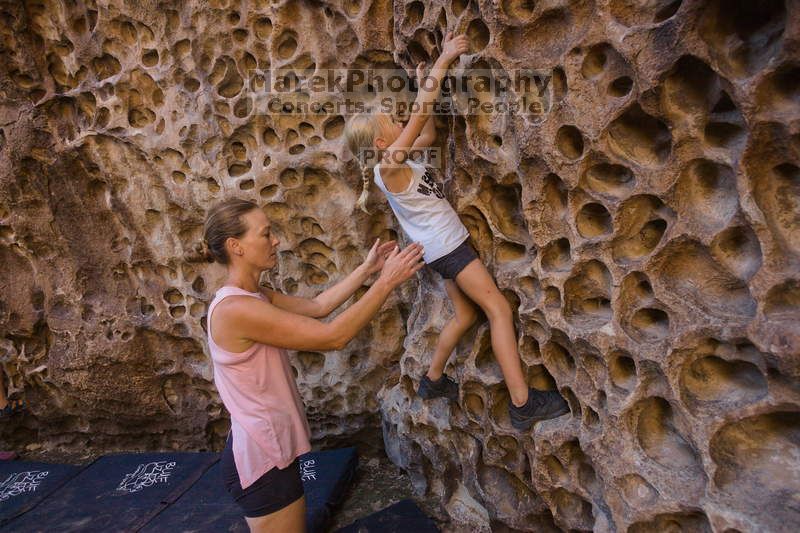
x,y
13,407
442,387
541,405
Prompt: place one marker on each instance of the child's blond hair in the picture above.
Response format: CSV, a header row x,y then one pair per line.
x,y
360,132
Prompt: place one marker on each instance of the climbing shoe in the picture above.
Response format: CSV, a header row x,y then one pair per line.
x,y
13,407
541,405
444,387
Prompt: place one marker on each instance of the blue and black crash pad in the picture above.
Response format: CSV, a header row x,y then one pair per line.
x,y
402,517
326,476
152,492
205,507
23,485
115,493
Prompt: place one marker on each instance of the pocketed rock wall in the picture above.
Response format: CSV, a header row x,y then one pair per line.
x,y
645,228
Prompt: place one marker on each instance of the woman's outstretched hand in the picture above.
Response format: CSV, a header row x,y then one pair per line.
x,y
377,256
400,265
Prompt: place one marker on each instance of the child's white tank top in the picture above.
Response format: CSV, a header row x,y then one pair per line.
x,y
424,213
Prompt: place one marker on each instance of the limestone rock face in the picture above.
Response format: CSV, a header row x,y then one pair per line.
x,y
121,123
645,228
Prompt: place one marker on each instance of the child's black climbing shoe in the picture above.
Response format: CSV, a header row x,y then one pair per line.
x,y
13,407
541,405
444,387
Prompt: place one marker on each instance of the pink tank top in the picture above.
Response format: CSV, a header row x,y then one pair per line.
x,y
257,386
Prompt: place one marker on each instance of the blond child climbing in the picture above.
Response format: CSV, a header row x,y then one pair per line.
x,y
426,217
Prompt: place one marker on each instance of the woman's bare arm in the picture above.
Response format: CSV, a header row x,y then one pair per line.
x,y
325,302
249,319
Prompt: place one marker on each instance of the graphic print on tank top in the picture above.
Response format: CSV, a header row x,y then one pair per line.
x,y
429,185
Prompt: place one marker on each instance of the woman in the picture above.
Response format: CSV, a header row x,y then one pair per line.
x,y
249,330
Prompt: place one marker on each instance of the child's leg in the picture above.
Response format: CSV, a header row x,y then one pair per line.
x,y
465,315
478,285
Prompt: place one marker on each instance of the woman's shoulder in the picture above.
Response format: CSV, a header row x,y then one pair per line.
x,y
230,310
228,297
232,290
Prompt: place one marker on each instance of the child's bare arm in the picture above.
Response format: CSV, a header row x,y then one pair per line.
x,y
428,135
427,95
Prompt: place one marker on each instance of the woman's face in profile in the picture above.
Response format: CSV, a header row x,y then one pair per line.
x,y
259,243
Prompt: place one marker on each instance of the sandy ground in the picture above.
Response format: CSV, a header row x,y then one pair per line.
x,y
377,484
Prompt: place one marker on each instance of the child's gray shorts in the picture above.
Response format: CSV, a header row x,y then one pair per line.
x,y
451,264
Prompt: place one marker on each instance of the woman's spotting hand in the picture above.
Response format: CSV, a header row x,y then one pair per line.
x,y
377,256
452,47
400,265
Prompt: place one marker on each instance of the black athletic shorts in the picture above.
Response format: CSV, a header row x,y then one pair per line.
x,y
271,492
451,264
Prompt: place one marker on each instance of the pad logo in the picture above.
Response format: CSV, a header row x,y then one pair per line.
x,y
307,471
146,475
20,483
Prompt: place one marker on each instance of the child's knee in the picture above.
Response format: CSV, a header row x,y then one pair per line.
x,y
466,317
498,309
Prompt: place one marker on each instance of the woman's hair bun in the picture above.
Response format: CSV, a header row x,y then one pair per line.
x,y
200,253
205,251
